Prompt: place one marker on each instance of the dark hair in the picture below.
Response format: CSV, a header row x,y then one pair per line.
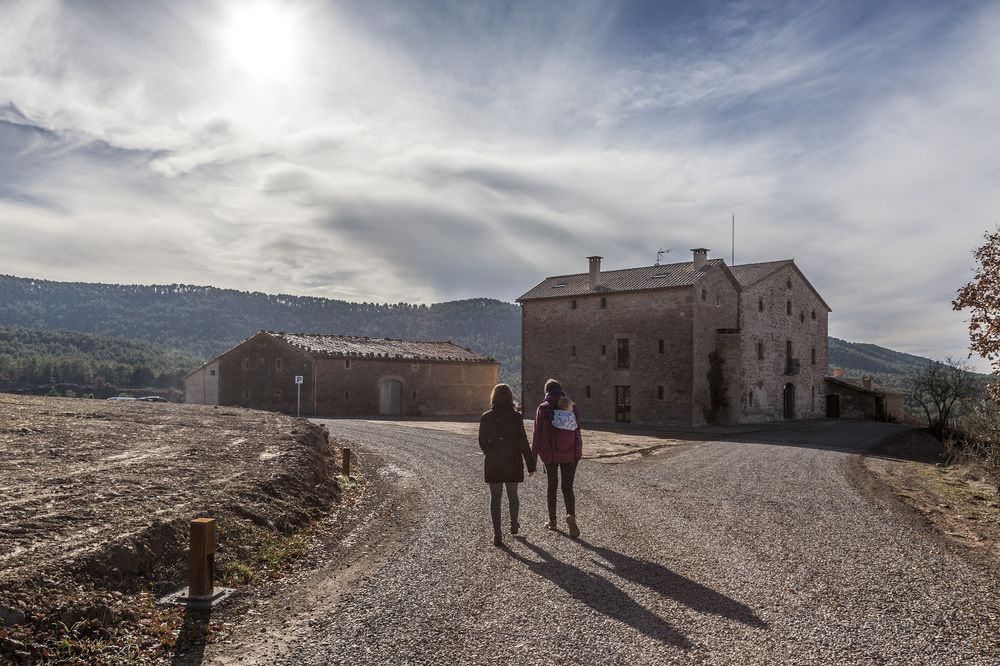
x,y
552,385
501,395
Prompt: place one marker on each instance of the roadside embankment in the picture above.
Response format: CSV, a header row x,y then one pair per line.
x,y
97,501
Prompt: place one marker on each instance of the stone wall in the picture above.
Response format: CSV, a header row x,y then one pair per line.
x,y
261,372
763,380
201,387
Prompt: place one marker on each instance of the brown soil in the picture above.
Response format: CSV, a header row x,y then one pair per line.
x,y
953,499
598,445
98,497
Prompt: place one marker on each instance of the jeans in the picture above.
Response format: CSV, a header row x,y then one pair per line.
x,y
568,471
496,492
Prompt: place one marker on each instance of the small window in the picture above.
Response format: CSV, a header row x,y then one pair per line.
x,y
661,345
277,393
704,294
760,351
750,398
572,304
414,395
559,285
572,350
789,283
277,363
604,302
814,315
659,393
814,356
604,350
788,307
802,316
211,372
788,349
760,305
623,355
347,364
588,390
347,395
246,395
246,364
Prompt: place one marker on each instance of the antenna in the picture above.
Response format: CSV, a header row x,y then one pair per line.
x,y
659,255
734,240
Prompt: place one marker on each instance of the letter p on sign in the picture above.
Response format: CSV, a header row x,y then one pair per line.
x,y
298,379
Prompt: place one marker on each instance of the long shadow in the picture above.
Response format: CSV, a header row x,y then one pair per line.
x,y
674,586
602,595
189,650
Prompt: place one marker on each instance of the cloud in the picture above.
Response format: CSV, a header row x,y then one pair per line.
x,y
436,151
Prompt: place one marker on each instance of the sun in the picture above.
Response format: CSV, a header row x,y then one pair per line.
x,y
260,39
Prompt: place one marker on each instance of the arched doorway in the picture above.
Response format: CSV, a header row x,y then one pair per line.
x,y
789,400
390,392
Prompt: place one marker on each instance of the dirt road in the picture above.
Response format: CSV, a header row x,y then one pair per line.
x,y
771,549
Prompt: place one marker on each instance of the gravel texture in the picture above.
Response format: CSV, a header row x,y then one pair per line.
x,y
772,549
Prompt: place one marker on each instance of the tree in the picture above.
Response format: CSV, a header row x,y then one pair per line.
x,y
982,297
938,387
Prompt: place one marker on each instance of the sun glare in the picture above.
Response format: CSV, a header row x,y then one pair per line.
x,y
260,39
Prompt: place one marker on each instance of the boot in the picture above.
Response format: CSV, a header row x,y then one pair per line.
x,y
551,525
574,531
498,540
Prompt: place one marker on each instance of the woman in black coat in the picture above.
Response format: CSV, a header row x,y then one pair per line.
x,y
505,445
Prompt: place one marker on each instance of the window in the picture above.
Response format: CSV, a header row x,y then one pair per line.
x,y
572,350
347,395
814,315
623,404
704,294
246,395
604,350
572,304
788,307
802,316
246,364
211,372
277,364
788,349
623,359
604,302
588,390
750,398
414,395
760,351
718,300
760,305
661,345
789,283
659,393
277,393
814,356
347,364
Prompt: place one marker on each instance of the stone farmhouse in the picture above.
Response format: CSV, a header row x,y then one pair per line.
x,y
849,397
345,376
681,344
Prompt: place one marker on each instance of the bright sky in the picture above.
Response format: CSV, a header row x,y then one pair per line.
x,y
427,151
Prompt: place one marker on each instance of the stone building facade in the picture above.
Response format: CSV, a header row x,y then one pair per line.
x,y
851,398
346,376
687,343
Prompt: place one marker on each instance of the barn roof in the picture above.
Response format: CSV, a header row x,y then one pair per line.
x,y
344,346
682,274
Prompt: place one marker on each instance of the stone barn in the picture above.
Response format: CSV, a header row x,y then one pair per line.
x,y
346,376
680,344
851,398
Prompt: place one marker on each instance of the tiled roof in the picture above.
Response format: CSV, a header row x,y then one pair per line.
x,y
628,279
748,274
341,346
858,385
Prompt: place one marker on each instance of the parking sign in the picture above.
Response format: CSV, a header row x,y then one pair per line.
x,y
298,379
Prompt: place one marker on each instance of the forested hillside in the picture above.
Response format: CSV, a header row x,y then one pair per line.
x,y
32,357
205,321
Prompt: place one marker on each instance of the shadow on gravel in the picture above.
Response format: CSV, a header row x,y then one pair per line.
x,y
190,647
674,586
600,594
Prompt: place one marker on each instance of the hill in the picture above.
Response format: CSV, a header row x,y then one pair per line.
x,y
205,321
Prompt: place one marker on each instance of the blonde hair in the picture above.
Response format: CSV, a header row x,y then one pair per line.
x,y
564,403
501,394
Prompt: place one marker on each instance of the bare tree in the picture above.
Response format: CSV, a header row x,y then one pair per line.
x,y
938,387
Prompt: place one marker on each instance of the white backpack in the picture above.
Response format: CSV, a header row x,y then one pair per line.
x,y
564,419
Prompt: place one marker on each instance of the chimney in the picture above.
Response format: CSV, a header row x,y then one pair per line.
x,y
838,373
595,271
700,257
866,383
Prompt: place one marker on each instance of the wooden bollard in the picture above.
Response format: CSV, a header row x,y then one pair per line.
x,y
346,467
201,558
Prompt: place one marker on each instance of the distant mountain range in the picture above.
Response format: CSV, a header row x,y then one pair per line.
x,y
205,321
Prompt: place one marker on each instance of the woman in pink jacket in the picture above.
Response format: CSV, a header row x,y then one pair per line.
x,y
557,441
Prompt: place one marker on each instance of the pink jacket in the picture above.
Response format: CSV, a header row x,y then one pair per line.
x,y
551,444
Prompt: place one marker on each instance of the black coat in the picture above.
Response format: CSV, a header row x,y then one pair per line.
x,y
505,444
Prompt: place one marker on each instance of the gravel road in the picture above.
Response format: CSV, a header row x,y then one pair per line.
x,y
769,549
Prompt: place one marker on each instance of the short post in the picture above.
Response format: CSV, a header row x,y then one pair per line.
x,y
201,558
346,467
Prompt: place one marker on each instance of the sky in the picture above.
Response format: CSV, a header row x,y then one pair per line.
x,y
430,151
